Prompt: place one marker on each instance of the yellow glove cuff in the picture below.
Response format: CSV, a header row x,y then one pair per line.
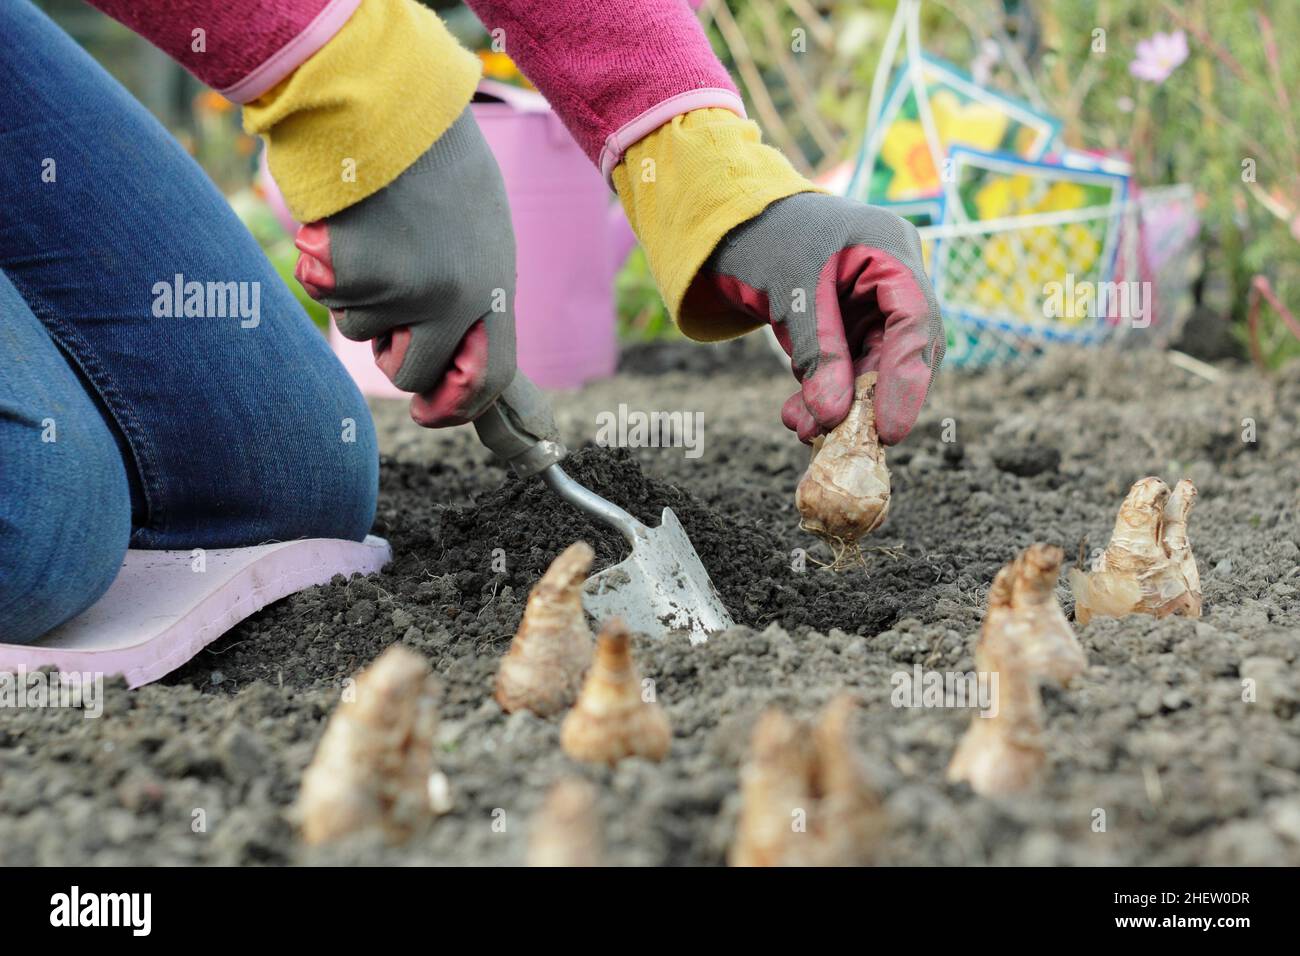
x,y
363,108
687,185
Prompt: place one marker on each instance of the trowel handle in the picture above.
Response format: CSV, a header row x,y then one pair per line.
x,y
586,500
519,427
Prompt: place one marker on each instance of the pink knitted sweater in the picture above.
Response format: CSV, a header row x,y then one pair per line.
x,y
614,72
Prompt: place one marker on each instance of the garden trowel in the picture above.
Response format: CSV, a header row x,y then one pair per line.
x,y
661,587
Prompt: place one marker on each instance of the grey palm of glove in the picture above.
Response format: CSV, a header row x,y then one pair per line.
x,y
844,287
425,270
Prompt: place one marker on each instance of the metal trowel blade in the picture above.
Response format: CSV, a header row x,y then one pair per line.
x,y
660,588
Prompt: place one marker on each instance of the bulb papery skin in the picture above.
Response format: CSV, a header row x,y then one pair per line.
x,y
543,670
376,758
844,495
566,830
1025,642
806,798
1035,618
612,720
1148,567
1003,752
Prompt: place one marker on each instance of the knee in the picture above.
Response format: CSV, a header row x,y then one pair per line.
x,y
307,468
65,521
341,456
335,488
350,494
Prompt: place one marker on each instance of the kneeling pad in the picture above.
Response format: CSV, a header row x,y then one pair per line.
x,y
166,606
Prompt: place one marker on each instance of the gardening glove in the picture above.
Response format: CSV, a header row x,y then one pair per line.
x,y
845,290
426,269
737,239
408,238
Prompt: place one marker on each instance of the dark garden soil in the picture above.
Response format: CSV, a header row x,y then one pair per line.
x,y
1155,733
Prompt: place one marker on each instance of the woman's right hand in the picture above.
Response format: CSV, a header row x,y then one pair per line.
x,y
425,269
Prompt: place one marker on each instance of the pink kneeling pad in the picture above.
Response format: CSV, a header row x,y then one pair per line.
x,y
161,611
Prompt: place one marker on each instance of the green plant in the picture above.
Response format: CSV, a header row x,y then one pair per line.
x,y
642,316
1224,121
258,219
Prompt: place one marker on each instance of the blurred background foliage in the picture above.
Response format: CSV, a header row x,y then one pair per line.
x,y
805,69
1232,108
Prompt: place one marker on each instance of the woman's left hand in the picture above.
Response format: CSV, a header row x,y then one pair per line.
x,y
844,287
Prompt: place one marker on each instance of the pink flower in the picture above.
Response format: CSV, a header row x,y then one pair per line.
x,y
982,66
1159,56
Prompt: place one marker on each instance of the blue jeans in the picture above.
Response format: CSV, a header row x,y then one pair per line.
x,y
130,414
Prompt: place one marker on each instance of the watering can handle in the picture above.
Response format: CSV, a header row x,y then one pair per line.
x,y
519,427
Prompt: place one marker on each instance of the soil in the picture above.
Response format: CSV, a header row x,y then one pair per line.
x,y
1155,733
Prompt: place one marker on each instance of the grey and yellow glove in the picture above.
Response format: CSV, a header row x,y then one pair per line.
x,y
425,268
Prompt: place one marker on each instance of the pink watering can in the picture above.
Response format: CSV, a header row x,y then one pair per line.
x,y
572,239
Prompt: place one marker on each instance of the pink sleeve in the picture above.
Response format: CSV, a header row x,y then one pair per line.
x,y
614,71
245,47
